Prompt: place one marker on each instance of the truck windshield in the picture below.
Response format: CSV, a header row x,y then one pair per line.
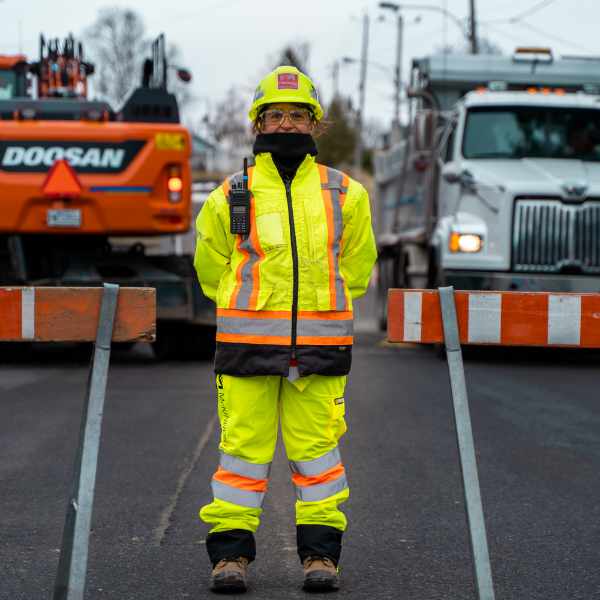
x,y
532,131
8,81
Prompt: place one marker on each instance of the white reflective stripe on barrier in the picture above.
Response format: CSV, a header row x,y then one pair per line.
x,y
311,468
484,318
412,316
228,493
28,313
564,319
243,467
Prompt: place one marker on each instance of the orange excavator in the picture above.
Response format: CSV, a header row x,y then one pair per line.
x,y
92,194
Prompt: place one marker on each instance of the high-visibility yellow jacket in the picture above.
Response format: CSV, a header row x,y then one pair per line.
x,y
285,291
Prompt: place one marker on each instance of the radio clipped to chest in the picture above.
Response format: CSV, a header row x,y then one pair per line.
x,y
239,205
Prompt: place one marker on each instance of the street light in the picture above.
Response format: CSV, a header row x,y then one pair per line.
x,y
398,69
358,148
431,7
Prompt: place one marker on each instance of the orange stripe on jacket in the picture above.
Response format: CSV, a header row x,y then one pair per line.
x,y
286,314
325,477
240,482
328,315
241,338
309,340
254,314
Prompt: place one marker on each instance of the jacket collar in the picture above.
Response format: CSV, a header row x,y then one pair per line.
x,y
264,162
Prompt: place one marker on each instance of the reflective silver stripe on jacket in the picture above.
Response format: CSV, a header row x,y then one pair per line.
x,y
246,498
325,328
320,491
243,467
243,297
281,327
278,327
311,468
334,185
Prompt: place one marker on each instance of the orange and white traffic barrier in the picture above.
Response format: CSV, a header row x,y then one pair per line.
x,y
499,318
496,318
103,315
57,314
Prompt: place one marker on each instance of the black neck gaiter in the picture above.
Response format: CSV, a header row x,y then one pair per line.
x,y
287,149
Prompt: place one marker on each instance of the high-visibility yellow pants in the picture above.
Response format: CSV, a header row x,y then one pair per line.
x,y
311,410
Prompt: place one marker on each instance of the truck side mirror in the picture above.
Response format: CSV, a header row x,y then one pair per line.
x,y
423,132
452,173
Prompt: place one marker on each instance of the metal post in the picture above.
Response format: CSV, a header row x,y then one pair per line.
x,y
398,74
466,448
361,95
72,566
473,30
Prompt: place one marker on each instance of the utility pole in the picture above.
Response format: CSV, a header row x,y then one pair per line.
x,y
473,30
361,95
398,76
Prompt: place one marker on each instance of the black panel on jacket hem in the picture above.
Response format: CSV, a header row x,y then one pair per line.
x,y
258,359
231,544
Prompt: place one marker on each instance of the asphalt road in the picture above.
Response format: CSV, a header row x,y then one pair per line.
x,y
536,417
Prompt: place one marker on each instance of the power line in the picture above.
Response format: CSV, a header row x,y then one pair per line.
x,y
524,14
555,37
536,8
498,31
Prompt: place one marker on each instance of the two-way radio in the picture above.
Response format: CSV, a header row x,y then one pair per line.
x,y
239,205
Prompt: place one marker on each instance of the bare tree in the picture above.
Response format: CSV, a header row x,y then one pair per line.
x,y
485,45
296,54
336,145
118,45
226,123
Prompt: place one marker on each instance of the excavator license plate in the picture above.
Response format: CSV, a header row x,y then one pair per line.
x,y
63,217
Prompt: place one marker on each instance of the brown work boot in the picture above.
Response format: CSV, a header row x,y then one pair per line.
x,y
229,575
320,574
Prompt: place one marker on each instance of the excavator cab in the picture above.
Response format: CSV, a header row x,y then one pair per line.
x,y
13,76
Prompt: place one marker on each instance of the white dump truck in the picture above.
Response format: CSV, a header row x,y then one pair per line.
x,y
496,184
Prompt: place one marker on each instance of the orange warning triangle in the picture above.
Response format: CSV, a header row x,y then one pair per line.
x,y
61,181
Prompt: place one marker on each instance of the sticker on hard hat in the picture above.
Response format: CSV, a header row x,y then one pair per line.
x,y
287,81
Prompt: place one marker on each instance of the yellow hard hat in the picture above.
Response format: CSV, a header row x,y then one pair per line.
x,y
286,84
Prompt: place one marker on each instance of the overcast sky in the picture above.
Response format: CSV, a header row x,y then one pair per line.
x,y
229,42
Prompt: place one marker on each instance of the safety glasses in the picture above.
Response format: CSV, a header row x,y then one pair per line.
x,y
276,116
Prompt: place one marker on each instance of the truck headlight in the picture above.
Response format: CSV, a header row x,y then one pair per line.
x,y
465,242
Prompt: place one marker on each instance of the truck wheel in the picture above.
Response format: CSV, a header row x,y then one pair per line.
x,y
392,274
382,288
432,270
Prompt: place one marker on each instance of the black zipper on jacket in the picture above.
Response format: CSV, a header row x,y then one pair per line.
x,y
288,193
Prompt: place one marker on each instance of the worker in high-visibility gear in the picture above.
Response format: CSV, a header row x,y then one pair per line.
x,y
284,299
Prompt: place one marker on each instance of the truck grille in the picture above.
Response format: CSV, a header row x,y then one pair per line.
x,y
550,236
